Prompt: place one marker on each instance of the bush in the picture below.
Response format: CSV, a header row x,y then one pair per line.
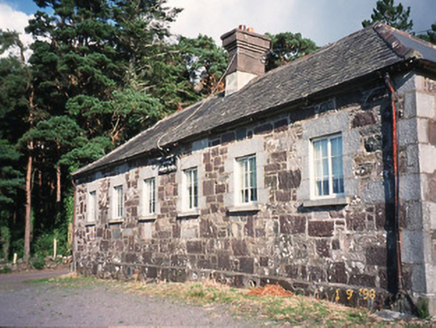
x,y
5,269
422,308
5,241
38,263
18,247
43,245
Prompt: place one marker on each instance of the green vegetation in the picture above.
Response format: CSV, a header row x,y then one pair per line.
x,y
296,310
423,308
387,13
38,263
398,17
286,47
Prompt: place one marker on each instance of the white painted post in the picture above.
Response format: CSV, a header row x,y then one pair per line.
x,y
55,244
15,258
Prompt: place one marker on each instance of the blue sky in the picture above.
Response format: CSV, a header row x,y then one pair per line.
x,y
26,6
323,21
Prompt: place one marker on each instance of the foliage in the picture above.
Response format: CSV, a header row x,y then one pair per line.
x,y
13,102
10,177
5,241
5,269
286,47
38,263
203,62
17,245
430,36
422,307
387,13
43,245
86,152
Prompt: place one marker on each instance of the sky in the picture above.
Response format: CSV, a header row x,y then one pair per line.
x,y
323,21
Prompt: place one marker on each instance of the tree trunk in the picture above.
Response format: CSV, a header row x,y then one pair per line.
x,y
58,179
28,223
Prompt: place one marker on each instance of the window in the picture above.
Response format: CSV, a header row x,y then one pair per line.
x,y
328,173
150,196
191,188
92,207
247,188
118,202
245,165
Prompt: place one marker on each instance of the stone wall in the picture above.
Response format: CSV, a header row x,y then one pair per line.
x,y
417,139
321,249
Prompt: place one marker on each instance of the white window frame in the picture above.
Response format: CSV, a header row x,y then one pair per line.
x,y
92,215
190,186
246,182
149,196
245,148
147,172
184,163
329,158
118,204
331,124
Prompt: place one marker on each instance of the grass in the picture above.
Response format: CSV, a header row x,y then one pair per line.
x,y
296,310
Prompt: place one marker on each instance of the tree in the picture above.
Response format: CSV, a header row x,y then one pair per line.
x,y
286,47
90,76
430,36
25,99
86,152
87,77
54,138
119,118
203,64
11,182
387,13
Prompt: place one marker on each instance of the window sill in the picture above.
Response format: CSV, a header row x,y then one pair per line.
x,y
89,224
336,201
148,217
188,214
115,221
244,208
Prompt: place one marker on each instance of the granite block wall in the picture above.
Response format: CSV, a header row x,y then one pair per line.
x,y
317,247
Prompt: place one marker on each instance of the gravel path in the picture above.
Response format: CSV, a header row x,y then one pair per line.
x,y
44,304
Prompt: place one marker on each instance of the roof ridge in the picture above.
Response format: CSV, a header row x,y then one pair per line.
x,y
387,34
333,64
307,56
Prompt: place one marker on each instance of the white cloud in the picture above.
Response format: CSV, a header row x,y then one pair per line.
x,y
323,21
216,17
11,19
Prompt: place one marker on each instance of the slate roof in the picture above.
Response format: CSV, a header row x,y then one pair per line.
x,y
372,49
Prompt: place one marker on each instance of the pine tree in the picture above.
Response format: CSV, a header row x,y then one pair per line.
x,y
286,47
387,13
87,69
430,36
17,104
203,64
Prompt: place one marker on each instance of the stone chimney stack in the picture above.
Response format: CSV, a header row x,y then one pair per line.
x,y
248,49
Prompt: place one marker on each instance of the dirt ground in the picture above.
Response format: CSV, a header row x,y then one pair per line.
x,y
45,305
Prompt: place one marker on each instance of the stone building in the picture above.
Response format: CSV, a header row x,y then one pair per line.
x,y
319,175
